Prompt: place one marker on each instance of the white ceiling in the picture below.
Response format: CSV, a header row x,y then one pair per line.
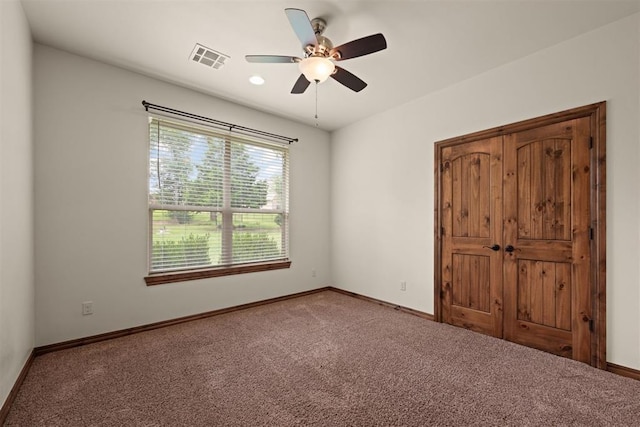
x,y
431,44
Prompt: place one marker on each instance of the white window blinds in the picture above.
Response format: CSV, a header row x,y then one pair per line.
x,y
215,199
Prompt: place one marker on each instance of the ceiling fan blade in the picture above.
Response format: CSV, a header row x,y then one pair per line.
x,y
349,80
301,26
360,47
301,85
272,59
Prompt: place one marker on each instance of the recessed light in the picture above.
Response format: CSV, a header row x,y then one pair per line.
x,y
256,80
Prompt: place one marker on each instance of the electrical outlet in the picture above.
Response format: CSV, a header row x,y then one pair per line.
x,y
87,308
403,286
313,272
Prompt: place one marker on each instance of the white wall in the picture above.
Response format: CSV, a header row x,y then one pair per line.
x,y
383,179
91,202
16,196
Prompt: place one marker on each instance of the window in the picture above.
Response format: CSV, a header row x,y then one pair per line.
x,y
218,204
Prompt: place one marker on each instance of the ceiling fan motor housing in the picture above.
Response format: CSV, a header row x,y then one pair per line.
x,y
322,48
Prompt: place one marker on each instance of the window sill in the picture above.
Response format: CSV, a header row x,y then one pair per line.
x,y
183,276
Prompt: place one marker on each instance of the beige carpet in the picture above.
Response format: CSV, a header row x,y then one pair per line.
x,y
326,360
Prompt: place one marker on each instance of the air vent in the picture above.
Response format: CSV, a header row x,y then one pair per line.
x,y
208,57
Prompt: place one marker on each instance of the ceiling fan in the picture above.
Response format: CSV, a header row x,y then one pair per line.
x,y
319,53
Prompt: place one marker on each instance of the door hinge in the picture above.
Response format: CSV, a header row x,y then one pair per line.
x,y
590,142
591,325
442,231
591,233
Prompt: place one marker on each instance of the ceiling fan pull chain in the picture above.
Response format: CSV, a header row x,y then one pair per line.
x,y
316,104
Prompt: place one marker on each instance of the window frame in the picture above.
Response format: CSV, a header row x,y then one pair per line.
x,y
226,211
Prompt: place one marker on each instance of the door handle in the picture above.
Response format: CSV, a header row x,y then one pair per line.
x,y
495,247
509,248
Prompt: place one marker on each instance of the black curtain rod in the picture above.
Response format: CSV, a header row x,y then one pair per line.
x,y
148,106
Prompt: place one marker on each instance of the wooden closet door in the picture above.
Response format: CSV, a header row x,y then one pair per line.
x,y
547,279
471,207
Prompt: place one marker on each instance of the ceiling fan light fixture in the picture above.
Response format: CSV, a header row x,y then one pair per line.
x,y
316,68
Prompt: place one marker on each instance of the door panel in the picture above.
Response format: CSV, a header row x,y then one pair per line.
x,y
471,208
471,282
546,278
544,189
544,293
